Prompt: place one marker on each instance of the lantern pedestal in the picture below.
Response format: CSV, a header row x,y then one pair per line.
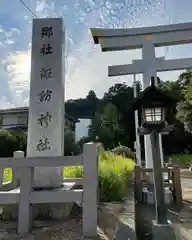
x,y
163,231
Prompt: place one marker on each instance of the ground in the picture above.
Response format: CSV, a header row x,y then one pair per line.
x,y
71,229
108,220
186,183
186,213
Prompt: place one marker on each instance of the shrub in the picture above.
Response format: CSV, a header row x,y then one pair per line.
x,y
11,141
124,151
114,172
7,175
181,158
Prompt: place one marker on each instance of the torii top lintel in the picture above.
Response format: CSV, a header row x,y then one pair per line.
x,y
133,38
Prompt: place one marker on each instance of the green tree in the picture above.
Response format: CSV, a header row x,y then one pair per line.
x,y
121,130
179,138
10,142
115,90
82,141
110,117
91,96
121,95
173,88
92,101
105,126
70,146
13,141
184,107
95,126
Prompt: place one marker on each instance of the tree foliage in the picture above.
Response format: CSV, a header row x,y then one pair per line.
x,y
113,121
180,138
184,107
10,142
14,141
70,146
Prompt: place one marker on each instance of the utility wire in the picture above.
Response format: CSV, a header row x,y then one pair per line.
x,y
29,9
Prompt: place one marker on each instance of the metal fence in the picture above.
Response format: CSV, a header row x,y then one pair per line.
x,y
26,195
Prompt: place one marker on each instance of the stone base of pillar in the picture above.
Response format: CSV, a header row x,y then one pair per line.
x,y
163,231
43,211
148,196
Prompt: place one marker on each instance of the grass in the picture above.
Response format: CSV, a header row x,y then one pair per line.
x,y
113,171
7,175
181,158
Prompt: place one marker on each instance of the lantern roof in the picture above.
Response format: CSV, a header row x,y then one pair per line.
x,y
152,96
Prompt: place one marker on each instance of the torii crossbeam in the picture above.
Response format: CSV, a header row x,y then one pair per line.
x,y
161,66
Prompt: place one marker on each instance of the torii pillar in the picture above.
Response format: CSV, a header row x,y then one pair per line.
x,y
147,39
137,145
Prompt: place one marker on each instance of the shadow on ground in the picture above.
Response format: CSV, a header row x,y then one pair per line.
x,y
125,232
143,225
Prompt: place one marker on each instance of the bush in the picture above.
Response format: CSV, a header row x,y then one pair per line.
x,y
7,175
114,172
124,151
181,158
10,142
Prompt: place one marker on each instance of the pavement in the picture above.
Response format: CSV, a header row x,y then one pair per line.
x,y
126,226
126,221
185,217
182,220
186,184
186,213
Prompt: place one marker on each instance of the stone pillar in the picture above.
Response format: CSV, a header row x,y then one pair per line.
x,y
16,171
46,107
46,115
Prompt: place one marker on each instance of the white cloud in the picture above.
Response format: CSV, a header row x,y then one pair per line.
x,y
9,41
45,8
40,6
92,72
18,69
4,103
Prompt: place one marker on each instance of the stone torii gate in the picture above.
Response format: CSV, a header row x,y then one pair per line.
x,y
147,39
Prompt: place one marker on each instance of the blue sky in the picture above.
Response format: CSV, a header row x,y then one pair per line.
x,y
86,65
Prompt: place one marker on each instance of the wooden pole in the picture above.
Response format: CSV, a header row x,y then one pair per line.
x,y
138,186
161,211
177,187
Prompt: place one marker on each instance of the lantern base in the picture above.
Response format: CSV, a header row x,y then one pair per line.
x,y
163,231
